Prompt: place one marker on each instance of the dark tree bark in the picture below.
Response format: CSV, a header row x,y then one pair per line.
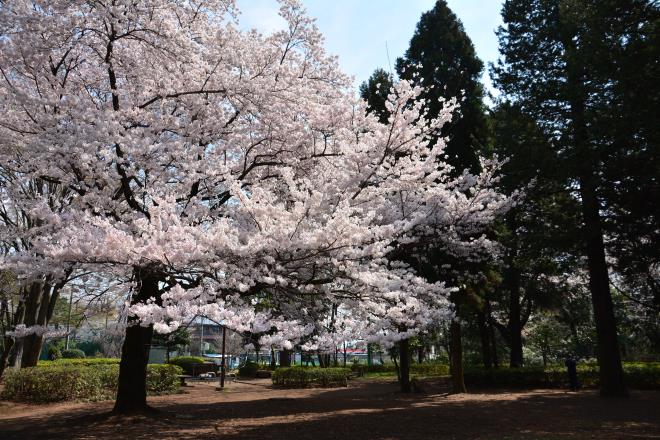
x,y
9,352
404,368
609,358
285,358
132,389
515,322
456,359
394,357
420,353
484,334
493,341
40,304
37,295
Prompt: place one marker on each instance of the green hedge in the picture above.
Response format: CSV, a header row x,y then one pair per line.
x,y
640,375
186,360
53,383
302,377
188,363
424,369
163,378
80,362
248,369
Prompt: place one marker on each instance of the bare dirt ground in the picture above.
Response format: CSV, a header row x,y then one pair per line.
x,y
367,409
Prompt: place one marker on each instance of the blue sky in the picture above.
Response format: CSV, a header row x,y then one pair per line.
x,y
357,30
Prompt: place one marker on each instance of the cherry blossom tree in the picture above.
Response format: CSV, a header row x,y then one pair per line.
x,y
231,174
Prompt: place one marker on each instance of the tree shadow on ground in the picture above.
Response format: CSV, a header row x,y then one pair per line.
x,y
368,410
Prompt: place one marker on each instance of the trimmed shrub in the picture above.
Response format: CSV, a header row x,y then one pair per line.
x,y
54,352
163,378
303,377
73,353
425,369
189,364
248,369
58,383
53,383
430,369
641,375
185,360
80,362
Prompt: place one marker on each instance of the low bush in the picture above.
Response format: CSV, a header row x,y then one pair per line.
x,y
54,352
73,353
81,362
190,364
424,369
374,368
303,377
429,369
248,369
71,381
641,375
163,378
186,360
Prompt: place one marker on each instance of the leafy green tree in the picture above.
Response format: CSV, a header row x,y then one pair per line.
x,y
441,56
375,91
442,59
172,341
558,64
538,234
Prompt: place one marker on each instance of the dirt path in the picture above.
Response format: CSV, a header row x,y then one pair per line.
x,y
365,410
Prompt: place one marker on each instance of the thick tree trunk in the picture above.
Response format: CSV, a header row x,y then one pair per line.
x,y
132,389
285,358
9,351
493,341
396,366
404,368
515,322
4,357
40,304
420,353
456,360
484,334
36,306
609,358
16,354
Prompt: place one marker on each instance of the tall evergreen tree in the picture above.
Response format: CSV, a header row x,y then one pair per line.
x,y
536,234
441,55
375,91
561,61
